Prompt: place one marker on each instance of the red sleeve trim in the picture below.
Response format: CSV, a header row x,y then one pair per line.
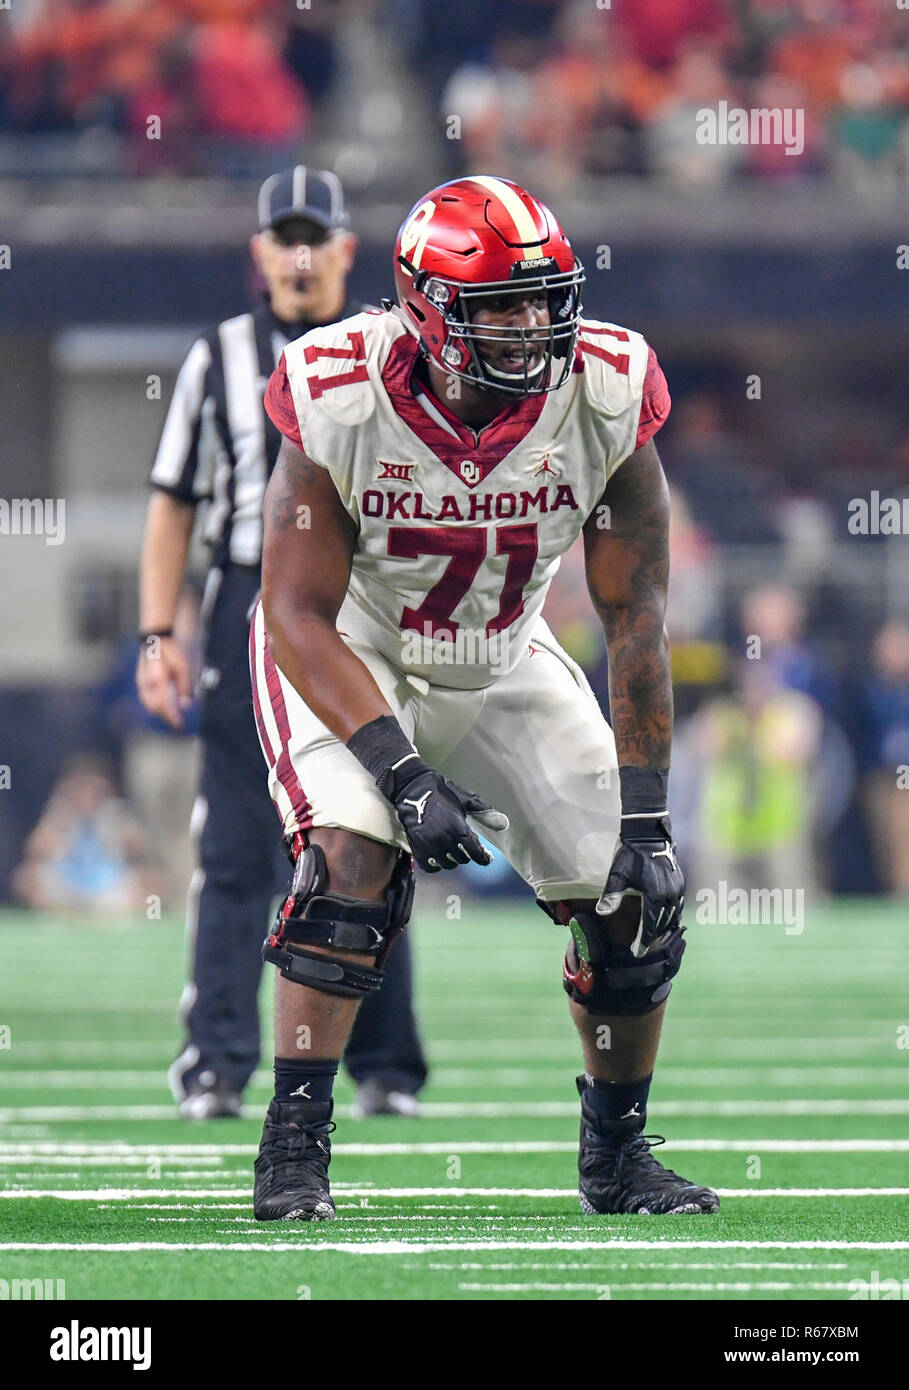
x,y
655,401
279,403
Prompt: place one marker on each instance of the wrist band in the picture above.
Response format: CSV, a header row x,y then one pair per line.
x,y
383,748
643,790
155,632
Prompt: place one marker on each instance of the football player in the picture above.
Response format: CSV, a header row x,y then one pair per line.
x,y
439,457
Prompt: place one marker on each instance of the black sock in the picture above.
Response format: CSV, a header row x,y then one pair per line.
x,y
296,1080
613,1100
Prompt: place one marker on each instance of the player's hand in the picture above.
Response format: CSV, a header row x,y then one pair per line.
x,y
645,866
163,680
434,811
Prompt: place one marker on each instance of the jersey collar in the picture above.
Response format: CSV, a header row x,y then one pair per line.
x,y
433,423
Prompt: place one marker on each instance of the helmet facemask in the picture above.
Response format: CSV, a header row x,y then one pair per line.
x,y
461,354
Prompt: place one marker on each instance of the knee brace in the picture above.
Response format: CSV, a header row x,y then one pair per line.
x,y
311,917
609,980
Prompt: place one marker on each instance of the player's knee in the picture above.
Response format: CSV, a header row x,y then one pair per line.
x,y
343,914
601,975
357,867
618,930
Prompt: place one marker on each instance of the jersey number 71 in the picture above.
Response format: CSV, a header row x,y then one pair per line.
x,y
467,548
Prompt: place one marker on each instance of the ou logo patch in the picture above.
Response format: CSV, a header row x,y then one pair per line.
x,y
470,472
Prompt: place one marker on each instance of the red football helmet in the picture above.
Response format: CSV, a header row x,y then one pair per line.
x,y
480,237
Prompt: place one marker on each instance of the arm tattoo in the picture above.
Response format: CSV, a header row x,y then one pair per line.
x,y
291,475
627,575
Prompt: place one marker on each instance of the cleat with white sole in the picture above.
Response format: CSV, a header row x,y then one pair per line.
x,y
292,1166
618,1174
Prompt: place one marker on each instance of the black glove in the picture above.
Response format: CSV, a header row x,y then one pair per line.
x,y
432,810
645,866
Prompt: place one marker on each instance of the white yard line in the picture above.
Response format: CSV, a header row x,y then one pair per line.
x,y
416,1247
611,1287
499,1266
101,1160
757,1049
484,1077
456,1110
124,1194
760,1048
120,1153
100,1049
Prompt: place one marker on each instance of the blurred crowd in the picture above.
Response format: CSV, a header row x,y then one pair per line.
x,y
228,80
597,91
552,90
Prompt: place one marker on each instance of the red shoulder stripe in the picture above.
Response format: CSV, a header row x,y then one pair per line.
x,y
655,401
279,403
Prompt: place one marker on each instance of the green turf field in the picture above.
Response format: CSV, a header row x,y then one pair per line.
x,y
783,1083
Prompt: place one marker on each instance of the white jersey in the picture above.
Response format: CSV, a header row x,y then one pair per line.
x,y
459,533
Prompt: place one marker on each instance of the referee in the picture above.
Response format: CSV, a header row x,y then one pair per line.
x,y
219,446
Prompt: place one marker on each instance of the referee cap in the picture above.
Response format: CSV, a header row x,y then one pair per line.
x,y
302,192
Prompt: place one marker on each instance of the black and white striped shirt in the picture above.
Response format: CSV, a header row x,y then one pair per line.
x,y
218,445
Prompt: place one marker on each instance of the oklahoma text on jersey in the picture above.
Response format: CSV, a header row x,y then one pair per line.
x,y
457,529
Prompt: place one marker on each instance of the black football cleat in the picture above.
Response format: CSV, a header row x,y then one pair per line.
x,y
618,1173
292,1166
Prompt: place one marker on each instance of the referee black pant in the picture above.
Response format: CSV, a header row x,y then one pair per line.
x,y
241,869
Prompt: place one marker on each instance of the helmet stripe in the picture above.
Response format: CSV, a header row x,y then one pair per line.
x,y
524,223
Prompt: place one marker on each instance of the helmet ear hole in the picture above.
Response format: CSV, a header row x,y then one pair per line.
x,y
417,313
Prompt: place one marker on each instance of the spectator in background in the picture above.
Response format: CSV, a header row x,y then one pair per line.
x,y
225,99
887,754
693,608
169,93
495,102
731,496
776,616
769,159
815,52
869,124
758,750
658,29
592,95
87,852
697,80
249,102
763,23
